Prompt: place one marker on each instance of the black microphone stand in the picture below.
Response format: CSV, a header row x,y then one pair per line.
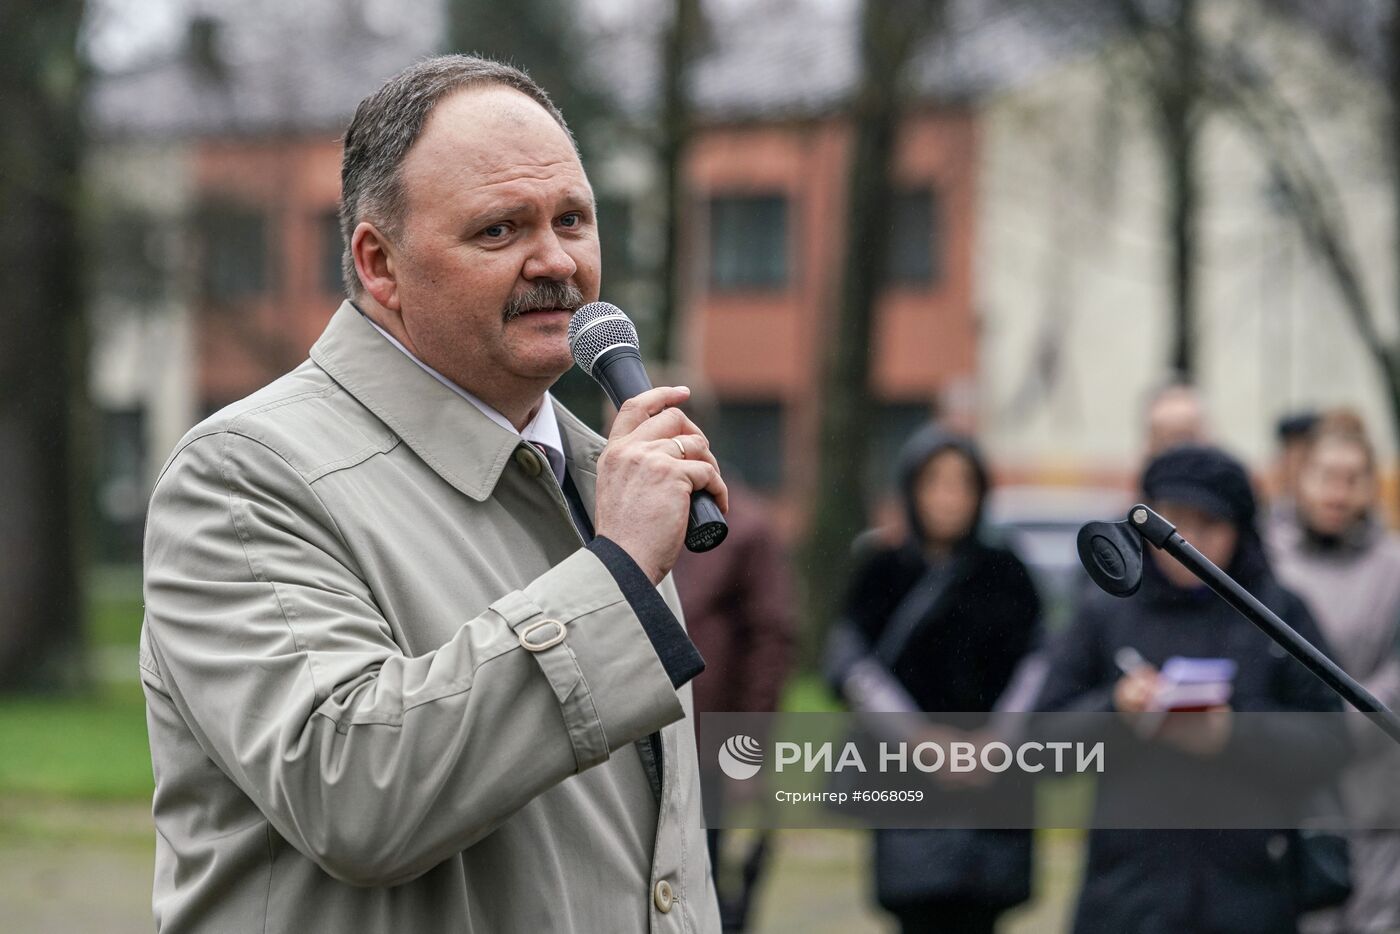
x,y
1112,554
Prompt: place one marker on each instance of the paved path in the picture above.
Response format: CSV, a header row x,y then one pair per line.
x,y
67,867
75,868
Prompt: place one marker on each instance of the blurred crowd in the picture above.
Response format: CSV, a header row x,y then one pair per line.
x,y
943,615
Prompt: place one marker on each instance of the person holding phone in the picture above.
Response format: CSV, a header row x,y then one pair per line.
x,y
1241,881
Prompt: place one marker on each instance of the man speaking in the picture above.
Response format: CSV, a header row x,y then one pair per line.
x,y
412,659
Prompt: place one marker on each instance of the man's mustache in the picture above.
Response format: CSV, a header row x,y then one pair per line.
x,y
549,294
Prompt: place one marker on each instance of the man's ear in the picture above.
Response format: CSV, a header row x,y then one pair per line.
x,y
376,264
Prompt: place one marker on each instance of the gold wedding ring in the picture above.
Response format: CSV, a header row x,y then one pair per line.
x,y
680,444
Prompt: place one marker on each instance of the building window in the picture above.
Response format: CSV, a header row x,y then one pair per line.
x,y
748,441
914,243
235,244
130,264
332,249
120,489
615,236
748,241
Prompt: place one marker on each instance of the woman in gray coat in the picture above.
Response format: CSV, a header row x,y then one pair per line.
x,y
1337,555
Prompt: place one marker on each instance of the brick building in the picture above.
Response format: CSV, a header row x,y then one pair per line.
x,y
764,255
215,171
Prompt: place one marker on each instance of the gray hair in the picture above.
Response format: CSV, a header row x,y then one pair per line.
x,y
387,124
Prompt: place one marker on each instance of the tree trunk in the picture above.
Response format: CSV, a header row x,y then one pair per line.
x,y
1171,49
681,39
539,36
1310,191
1390,368
1392,93
890,30
1179,147
43,355
1178,82
1311,196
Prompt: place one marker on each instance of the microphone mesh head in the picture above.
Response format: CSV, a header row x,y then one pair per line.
x,y
594,328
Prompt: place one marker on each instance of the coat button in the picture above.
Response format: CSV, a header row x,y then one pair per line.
x,y
528,460
663,896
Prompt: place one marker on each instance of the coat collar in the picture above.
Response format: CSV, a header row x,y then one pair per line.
x,y
453,437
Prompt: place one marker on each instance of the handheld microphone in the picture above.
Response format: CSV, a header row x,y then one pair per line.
x,y
603,341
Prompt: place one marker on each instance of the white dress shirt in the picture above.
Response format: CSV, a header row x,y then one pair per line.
x,y
543,430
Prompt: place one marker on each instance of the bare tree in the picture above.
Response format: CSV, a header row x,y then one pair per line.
x,y
1169,38
43,355
1391,35
681,43
1190,71
891,31
539,36
544,38
1250,94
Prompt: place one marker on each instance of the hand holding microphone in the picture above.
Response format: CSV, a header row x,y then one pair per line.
x,y
658,482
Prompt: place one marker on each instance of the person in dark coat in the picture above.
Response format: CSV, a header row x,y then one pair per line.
x,y
739,611
1191,881
939,623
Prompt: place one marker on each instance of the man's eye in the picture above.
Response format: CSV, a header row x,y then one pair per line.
x,y
494,232
571,220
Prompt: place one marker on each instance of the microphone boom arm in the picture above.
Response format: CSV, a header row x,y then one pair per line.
x,y
1101,549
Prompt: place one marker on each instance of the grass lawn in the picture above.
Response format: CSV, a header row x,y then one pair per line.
x,y
807,693
83,747
89,746
114,607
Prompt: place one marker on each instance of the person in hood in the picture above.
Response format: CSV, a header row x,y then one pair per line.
x,y
939,623
1191,881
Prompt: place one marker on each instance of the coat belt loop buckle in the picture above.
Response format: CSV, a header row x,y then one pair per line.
x,y
539,646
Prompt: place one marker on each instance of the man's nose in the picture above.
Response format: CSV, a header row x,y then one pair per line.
x,y
549,260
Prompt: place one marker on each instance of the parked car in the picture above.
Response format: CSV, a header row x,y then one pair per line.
x,y
1041,523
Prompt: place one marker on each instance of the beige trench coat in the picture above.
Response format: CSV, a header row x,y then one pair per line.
x,y
347,732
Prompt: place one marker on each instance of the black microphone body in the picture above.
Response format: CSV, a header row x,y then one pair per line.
x,y
621,373
619,370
